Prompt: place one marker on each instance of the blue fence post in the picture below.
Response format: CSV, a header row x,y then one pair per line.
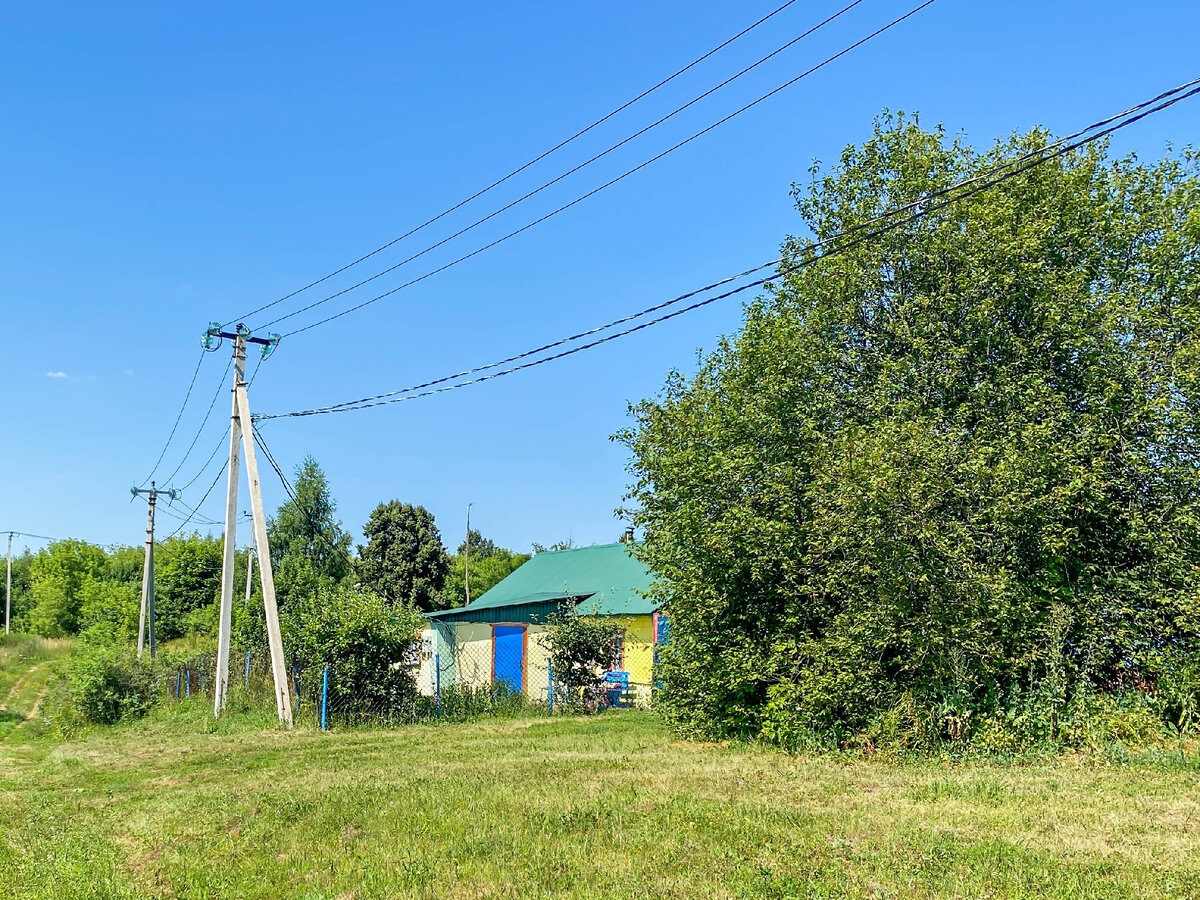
x,y
178,683
189,683
437,684
248,652
550,685
324,696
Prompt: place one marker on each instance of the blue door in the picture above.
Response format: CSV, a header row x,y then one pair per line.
x,y
508,655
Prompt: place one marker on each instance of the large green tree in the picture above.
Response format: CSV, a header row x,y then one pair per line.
x,y
58,576
948,472
309,548
403,560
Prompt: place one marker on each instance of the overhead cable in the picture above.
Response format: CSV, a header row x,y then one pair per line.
x,y
590,193
187,396
207,415
517,171
833,245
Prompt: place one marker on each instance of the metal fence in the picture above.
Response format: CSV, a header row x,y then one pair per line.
x,y
437,680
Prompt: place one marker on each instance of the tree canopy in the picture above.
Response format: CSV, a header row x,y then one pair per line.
x,y
309,548
403,560
948,474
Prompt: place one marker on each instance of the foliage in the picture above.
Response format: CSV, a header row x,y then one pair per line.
x,y
481,547
486,573
366,643
112,607
582,649
187,580
57,576
948,474
404,560
309,549
106,683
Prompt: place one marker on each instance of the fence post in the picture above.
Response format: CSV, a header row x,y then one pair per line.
x,y
178,683
550,685
324,696
189,683
437,684
248,653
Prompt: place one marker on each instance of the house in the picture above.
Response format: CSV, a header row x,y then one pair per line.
x,y
502,636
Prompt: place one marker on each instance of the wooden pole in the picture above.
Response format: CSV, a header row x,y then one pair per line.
x,y
283,694
467,557
225,617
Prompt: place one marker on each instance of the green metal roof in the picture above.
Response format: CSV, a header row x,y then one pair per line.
x,y
607,578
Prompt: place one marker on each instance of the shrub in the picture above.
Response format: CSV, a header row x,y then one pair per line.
x,y
364,642
582,649
105,684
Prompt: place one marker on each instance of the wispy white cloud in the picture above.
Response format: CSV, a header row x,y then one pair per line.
x,y
56,374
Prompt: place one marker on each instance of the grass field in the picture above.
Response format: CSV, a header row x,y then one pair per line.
x,y
609,806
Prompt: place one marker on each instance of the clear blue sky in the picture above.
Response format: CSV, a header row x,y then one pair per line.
x,y
164,165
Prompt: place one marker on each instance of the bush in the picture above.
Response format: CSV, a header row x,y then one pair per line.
x,y
582,649
364,642
105,684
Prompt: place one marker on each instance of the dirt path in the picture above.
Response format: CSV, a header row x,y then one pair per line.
x,y
12,692
34,709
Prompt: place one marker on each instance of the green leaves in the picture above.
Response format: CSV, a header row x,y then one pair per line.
x,y
874,497
404,560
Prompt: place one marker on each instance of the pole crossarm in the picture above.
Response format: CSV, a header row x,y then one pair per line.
x,y
146,613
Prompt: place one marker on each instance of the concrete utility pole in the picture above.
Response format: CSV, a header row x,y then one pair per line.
x,y
467,556
249,571
8,586
146,618
242,426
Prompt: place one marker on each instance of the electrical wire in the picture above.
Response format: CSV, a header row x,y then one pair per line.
x,y
40,537
212,403
572,171
207,462
316,529
495,184
187,396
918,209
188,520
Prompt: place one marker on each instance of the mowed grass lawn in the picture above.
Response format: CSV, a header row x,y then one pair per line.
x,y
609,806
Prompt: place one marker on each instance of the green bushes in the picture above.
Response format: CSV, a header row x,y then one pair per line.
x,y
105,683
942,487
366,644
582,649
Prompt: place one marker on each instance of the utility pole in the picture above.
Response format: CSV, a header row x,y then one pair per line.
x,y
8,586
146,617
249,571
467,557
242,426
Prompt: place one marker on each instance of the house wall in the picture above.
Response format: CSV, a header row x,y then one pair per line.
x,y
464,650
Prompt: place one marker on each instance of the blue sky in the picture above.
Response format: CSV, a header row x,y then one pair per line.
x,y
165,165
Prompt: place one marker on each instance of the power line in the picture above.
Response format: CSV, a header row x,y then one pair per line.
x,y
624,106
212,403
187,396
573,170
40,537
590,193
917,209
316,529
207,462
188,520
